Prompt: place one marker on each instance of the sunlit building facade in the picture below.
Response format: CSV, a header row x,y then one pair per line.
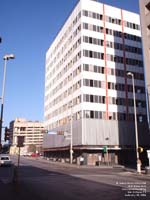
x,y
145,26
32,131
86,78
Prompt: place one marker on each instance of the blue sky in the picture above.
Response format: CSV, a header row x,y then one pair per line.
x,y
27,28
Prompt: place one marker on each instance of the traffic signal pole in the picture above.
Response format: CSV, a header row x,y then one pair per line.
x,y
6,58
1,122
2,102
1,116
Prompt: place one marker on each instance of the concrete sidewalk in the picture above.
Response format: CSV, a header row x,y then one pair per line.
x,y
16,191
127,169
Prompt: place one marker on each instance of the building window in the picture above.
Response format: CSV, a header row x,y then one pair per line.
x,y
91,83
92,114
148,6
87,114
91,98
148,30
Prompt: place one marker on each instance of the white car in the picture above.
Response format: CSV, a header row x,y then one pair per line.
x,y
5,160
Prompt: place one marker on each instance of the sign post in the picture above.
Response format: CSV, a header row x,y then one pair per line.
x,y
20,141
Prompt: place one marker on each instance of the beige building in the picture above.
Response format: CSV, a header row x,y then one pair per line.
x,y
31,130
145,25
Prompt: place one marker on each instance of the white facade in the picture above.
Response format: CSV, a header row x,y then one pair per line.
x,y
86,67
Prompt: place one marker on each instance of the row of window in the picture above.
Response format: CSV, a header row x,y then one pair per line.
x,y
63,83
93,54
26,128
63,108
113,45
66,34
96,84
86,67
91,114
90,83
108,31
69,52
68,65
63,95
90,40
111,85
65,120
110,19
96,28
110,71
112,116
93,83
60,55
112,100
93,99
92,14
113,58
62,73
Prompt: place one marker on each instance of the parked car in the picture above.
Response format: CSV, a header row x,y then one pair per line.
x,y
5,160
35,155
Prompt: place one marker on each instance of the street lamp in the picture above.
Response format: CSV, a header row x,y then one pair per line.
x,y
107,139
5,58
71,135
135,119
148,104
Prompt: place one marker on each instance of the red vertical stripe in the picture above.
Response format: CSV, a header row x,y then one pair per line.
x,y
105,60
124,62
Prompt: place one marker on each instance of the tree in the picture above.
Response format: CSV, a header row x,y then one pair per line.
x,y
32,148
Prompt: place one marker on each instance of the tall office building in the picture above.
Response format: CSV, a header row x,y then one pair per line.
x,y
145,26
86,78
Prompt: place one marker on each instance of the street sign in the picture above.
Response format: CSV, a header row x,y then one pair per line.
x,y
105,150
20,141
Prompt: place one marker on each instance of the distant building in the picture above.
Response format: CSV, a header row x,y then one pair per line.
x,y
32,131
145,24
86,78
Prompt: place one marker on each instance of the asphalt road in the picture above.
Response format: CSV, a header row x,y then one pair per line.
x,y
44,180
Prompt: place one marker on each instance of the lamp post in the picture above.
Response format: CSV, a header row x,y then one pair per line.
x,y
107,139
71,135
6,58
135,119
148,104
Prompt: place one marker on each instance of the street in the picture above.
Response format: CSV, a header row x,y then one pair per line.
x,y
43,180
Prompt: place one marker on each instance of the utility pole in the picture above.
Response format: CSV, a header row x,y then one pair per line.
x,y
135,121
5,58
71,149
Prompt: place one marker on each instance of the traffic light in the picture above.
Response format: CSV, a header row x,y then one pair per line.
x,y
140,149
105,149
7,134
